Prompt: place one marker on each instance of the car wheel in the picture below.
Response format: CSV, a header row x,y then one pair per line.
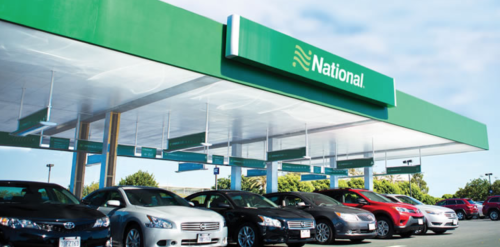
x,y
384,227
357,241
439,232
460,215
324,232
295,244
248,236
133,237
494,215
423,231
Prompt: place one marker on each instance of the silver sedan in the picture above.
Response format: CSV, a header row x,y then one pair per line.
x,y
144,216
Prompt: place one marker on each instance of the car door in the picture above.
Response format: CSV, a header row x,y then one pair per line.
x,y
451,204
116,214
351,199
220,204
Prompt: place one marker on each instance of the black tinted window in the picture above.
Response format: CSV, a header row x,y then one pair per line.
x,y
38,193
451,202
154,198
292,201
441,203
216,200
199,200
460,202
351,197
97,199
275,199
495,199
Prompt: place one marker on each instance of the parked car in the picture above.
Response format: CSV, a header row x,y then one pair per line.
x,y
465,208
438,219
491,207
392,218
350,223
254,220
43,214
144,216
479,209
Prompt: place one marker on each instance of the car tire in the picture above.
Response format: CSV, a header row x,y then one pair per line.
x,y
460,215
295,244
385,228
423,231
357,241
325,233
133,237
406,234
493,215
248,236
439,232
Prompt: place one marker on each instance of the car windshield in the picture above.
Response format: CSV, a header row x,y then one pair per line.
x,y
471,201
247,200
374,196
321,200
154,198
33,194
409,200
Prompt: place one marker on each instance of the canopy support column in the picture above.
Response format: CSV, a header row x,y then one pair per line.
x,y
109,147
79,159
334,180
369,170
236,151
272,172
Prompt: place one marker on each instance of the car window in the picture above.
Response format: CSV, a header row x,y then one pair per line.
x,y
321,200
154,198
409,200
471,201
292,201
351,197
115,195
248,200
199,201
451,202
275,199
374,196
216,200
392,199
495,199
29,194
460,202
336,196
441,203
97,199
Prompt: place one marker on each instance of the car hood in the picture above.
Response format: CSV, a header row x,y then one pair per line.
x,y
433,208
181,213
344,209
282,213
49,212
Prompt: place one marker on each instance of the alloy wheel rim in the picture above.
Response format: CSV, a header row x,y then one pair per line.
x,y
322,232
383,228
246,237
133,239
460,215
494,215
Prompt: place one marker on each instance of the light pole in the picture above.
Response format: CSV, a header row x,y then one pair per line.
x,y
50,169
489,177
409,178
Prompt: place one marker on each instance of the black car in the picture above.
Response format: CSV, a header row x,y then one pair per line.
x,y
42,214
333,220
254,220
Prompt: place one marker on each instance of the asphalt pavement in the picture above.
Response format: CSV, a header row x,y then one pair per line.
x,y
470,233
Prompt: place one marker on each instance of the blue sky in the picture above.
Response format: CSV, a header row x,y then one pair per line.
x,y
441,51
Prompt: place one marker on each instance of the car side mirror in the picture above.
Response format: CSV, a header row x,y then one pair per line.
x,y
113,203
302,205
85,202
191,203
362,201
223,205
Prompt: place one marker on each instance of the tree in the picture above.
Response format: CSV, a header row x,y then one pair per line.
x,y
448,196
419,180
140,178
223,184
291,182
87,189
477,189
386,187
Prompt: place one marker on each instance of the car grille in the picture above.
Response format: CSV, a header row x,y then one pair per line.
x,y
59,227
366,217
195,242
200,226
309,224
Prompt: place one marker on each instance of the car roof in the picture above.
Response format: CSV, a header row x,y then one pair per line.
x,y
21,182
290,192
344,189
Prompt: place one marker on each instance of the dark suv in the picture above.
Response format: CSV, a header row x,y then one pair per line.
x,y
392,218
350,223
465,208
254,220
41,214
491,207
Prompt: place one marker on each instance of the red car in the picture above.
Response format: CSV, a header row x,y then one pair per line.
x,y
464,207
392,218
491,207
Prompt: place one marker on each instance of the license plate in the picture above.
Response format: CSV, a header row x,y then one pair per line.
x,y
455,222
371,227
420,221
69,242
305,233
204,238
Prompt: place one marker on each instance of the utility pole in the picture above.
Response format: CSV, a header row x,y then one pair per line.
x,y
409,178
489,176
50,169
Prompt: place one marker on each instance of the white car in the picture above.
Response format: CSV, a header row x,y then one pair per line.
x,y
147,217
479,209
438,219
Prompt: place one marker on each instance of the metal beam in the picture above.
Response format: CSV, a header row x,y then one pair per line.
x,y
79,161
149,99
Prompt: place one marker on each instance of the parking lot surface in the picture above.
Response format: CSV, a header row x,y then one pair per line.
x,y
476,233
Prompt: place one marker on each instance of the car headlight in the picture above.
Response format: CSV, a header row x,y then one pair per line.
x,y
348,217
102,222
433,212
266,221
18,223
402,210
156,222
